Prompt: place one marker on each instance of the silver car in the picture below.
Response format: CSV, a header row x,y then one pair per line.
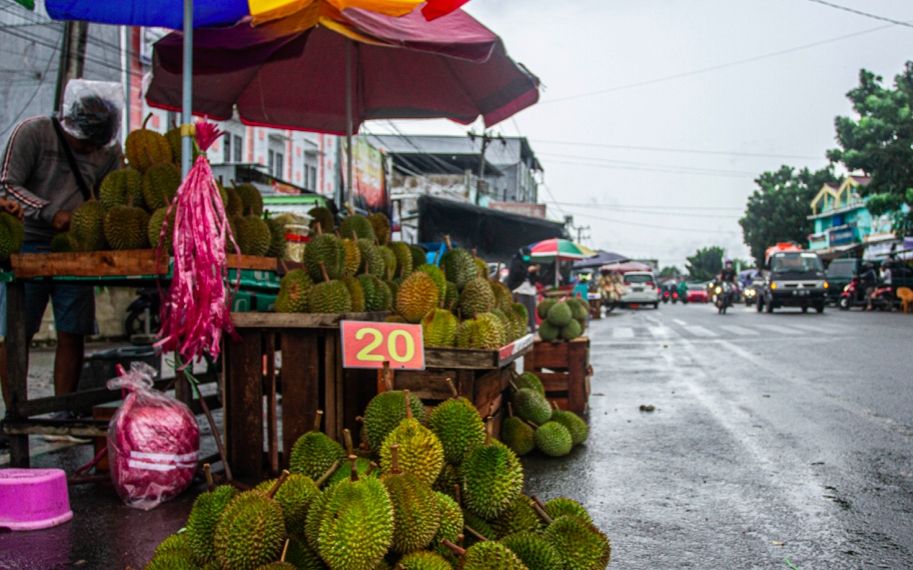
x,y
640,288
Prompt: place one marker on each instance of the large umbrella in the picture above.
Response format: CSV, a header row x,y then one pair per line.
x,y
558,250
602,258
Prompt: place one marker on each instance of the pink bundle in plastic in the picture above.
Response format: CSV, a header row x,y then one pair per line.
x,y
153,442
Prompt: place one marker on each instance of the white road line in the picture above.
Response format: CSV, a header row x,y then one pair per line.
x,y
737,330
623,332
780,329
661,332
823,327
680,322
701,331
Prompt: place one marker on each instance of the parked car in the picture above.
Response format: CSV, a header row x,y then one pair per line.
x,y
839,274
640,289
697,293
794,279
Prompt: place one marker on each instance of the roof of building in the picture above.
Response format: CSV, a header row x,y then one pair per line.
x,y
500,151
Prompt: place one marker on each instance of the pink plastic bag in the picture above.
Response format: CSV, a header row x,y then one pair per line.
x,y
153,442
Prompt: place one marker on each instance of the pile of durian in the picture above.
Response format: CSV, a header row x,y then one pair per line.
x,y
358,269
12,234
534,424
562,320
426,493
132,204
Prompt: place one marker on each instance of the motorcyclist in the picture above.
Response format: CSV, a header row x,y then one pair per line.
x,y
728,273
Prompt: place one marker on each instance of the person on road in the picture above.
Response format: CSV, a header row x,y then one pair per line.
x,y
50,167
727,273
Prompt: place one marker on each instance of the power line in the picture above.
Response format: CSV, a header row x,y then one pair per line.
x,y
610,161
645,207
657,170
657,226
28,103
861,13
713,67
674,149
657,212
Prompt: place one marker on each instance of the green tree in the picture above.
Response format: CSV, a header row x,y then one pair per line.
x,y
879,142
670,272
778,209
706,263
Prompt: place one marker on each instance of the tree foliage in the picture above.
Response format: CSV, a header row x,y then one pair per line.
x,y
778,209
706,263
880,143
670,272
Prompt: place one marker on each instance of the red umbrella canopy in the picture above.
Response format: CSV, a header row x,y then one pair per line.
x,y
288,75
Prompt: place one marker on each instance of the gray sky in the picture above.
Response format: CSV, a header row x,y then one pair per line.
x,y
665,204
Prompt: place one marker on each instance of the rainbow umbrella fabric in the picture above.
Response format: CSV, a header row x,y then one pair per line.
x,y
560,249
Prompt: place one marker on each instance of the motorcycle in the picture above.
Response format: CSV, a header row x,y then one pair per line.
x,y
723,294
142,320
854,295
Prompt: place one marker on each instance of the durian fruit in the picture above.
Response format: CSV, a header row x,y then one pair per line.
x,y
363,467
389,262
12,234
506,326
571,331
372,260
377,294
416,297
160,185
294,496
325,249
415,506
156,222
560,315
381,225
543,308
436,275
277,238
561,506
489,555
504,299
476,298
423,560
253,235
579,309
314,452
300,555
173,136
518,517
451,519
534,550
356,293
293,292
466,333
251,531
554,439
492,478
385,411
548,332
357,525
520,318
459,266
278,566
329,297
439,328
121,187
173,542
201,524
531,406
448,481
352,257
528,380
482,266
322,217
234,207
574,424
126,227
63,243
419,256
420,450
582,546
394,288
477,528
316,512
517,434
145,148
251,200
358,227
451,297
172,560
458,426
490,333
403,258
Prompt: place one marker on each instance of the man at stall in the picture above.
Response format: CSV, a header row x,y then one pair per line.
x,y
50,167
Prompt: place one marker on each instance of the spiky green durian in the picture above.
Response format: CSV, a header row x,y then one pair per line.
x,y
561,506
324,218
419,256
571,331
61,243
403,258
302,556
506,326
504,300
519,516
201,524
357,526
459,267
293,292
451,297
126,227
121,188
385,411
420,450
352,257
87,226
548,332
250,532
372,260
416,513
479,526
145,147
436,275
534,550
492,479
160,185
251,200
520,319
423,560
317,511
416,297
491,556
278,566
363,468
172,560
528,380
277,238
560,315
172,542
490,334
377,294
476,298
439,328
543,308
328,250
389,262
329,297
358,226
459,427
448,480
574,424
314,453
531,406
253,235
582,546
381,225
156,222
451,519
295,497
466,333
518,435
356,293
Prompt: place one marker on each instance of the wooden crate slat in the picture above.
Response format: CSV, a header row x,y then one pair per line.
x,y
300,387
299,320
429,385
244,406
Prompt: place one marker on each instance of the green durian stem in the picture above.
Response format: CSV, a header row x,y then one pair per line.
x,y
284,550
448,242
476,534
279,482
408,404
207,473
539,507
318,417
489,428
323,269
452,387
458,494
146,120
326,476
347,438
374,467
354,473
459,551
555,405
510,410
394,459
387,376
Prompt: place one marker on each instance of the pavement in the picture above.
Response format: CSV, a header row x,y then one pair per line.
x,y
777,441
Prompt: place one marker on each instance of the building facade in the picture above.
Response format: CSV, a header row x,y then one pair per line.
x,y
843,224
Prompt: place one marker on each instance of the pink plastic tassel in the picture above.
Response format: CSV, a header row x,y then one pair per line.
x,y
197,309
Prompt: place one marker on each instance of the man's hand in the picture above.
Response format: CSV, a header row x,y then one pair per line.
x,y
61,221
12,207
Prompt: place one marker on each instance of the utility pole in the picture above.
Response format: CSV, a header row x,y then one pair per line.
x,y
72,57
487,139
580,234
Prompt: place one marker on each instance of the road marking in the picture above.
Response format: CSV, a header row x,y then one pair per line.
x,y
680,322
823,327
623,332
737,330
701,331
660,332
780,329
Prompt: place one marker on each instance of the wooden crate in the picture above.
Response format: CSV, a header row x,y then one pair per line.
x,y
113,264
283,369
565,371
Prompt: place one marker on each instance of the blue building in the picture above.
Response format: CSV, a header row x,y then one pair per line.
x,y
843,224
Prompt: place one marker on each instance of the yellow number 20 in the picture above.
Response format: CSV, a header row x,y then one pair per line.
x,y
367,354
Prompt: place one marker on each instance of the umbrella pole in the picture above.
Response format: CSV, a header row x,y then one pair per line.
x,y
349,124
187,102
557,269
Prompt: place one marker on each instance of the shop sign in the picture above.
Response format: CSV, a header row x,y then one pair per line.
x,y
369,345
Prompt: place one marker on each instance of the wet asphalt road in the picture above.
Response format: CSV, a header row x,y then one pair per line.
x,y
778,441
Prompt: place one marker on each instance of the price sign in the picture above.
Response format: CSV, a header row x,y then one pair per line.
x,y
369,345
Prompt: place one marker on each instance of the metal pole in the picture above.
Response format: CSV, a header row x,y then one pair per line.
x,y
187,104
349,123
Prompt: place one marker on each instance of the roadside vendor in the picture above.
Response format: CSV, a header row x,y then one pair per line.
x,y
50,167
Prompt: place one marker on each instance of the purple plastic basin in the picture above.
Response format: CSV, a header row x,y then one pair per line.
x,y
31,499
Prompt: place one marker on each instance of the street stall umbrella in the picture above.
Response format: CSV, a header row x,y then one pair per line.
x,y
329,72
601,258
559,250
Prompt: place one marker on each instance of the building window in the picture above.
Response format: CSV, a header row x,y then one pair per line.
x,y
238,144
278,172
271,160
313,177
226,148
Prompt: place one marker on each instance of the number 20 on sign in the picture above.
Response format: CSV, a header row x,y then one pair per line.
x,y
369,345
